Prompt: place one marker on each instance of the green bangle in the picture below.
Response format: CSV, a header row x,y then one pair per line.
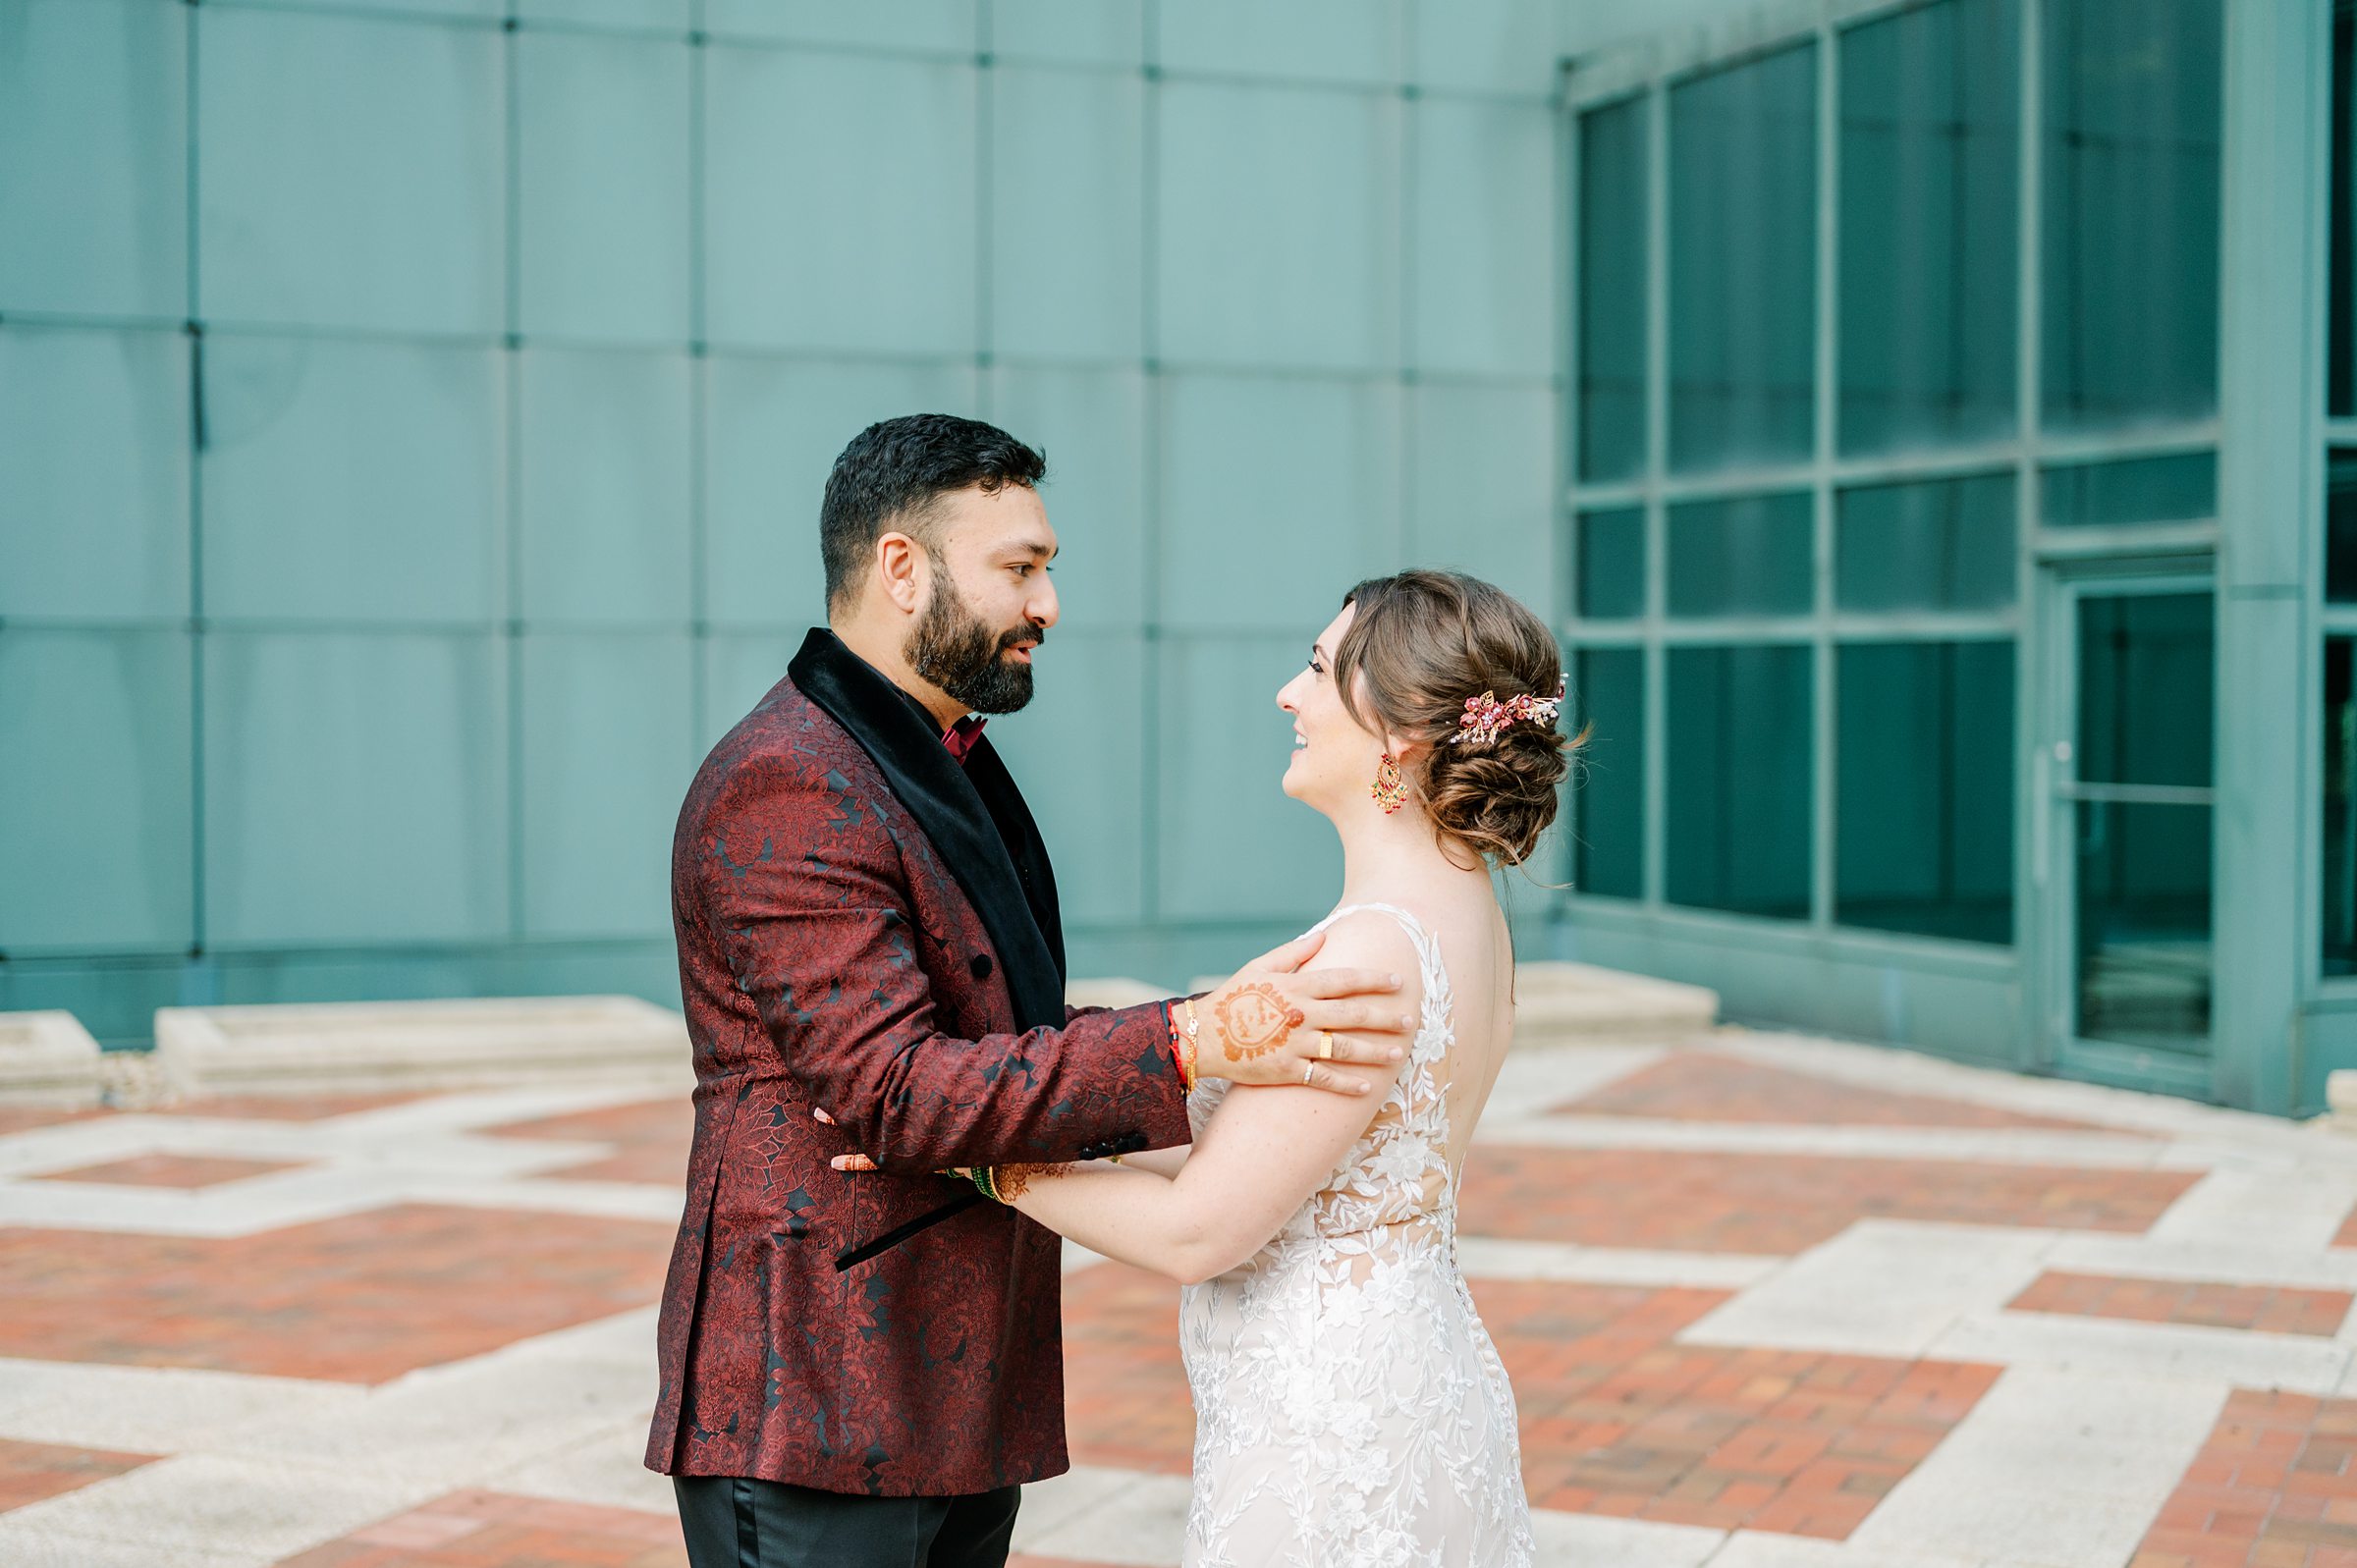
x,y
980,1176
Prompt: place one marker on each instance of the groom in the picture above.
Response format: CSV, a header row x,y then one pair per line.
x,y
861,1368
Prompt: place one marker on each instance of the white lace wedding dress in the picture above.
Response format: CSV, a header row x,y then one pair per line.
x,y
1351,1410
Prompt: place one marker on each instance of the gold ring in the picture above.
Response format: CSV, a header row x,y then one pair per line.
x,y
1325,1045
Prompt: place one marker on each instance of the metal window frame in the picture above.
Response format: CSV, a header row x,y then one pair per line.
x,y
1649,69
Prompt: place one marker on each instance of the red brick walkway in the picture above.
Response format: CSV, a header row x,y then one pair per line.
x,y
1784,1203
2275,1487
1704,1086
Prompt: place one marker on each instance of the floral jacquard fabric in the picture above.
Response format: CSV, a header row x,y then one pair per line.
x,y
1350,1408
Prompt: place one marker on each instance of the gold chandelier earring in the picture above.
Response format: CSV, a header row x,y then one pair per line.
x,y
1390,789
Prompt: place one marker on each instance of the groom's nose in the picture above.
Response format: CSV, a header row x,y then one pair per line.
x,y
1041,610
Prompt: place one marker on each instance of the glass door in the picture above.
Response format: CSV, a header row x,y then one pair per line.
x,y
2125,846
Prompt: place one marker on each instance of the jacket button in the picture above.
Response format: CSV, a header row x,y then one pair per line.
x,y
980,966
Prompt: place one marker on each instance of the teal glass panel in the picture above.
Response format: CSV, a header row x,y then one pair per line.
x,y
1273,504
605,480
350,172
1092,426
2144,925
93,157
1607,780
351,480
1230,845
1484,265
1611,564
929,24
2179,488
2131,181
1068,231
1481,458
2340,526
1077,753
1931,176
659,16
2340,807
94,457
2145,699
773,431
608,731
1612,291
1092,32
1923,791
478,9
602,210
1314,177
1736,829
95,798
1941,544
1749,556
2340,368
1487,46
1305,40
1743,332
841,205
356,789
739,670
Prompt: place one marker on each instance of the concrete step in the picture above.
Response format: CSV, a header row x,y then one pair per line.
x,y
377,1046
48,1058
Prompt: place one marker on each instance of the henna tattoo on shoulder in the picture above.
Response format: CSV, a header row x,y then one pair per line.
x,y
1254,1019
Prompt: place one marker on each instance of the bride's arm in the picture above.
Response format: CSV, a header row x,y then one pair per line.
x,y
1265,1150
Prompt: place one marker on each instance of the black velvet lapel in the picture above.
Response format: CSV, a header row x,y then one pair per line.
x,y
972,814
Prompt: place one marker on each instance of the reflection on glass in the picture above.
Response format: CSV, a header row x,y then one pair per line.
x,y
2341,249
2144,925
1736,835
1612,291
2340,527
1743,262
2145,698
1608,781
1753,554
1942,545
1611,564
1923,835
2340,822
2181,487
1930,175
2132,211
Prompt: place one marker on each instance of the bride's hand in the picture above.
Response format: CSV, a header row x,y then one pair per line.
x,y
1273,1024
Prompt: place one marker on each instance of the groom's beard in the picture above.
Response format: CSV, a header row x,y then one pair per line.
x,y
951,648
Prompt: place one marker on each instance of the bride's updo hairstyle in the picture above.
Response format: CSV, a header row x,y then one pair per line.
x,y
1426,641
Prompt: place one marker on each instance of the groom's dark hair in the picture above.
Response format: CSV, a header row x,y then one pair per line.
x,y
894,471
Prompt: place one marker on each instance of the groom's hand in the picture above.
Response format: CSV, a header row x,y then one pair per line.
x,y
1272,1024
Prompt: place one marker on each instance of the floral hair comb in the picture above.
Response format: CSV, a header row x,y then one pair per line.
x,y
1486,717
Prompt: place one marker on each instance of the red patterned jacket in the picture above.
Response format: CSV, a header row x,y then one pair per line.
x,y
868,928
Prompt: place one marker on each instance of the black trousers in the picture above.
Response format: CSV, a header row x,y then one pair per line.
x,y
735,1523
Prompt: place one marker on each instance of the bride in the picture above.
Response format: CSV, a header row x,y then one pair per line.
x,y
1350,1408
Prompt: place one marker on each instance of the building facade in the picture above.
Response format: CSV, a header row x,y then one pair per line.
x,y
1930,423
1955,549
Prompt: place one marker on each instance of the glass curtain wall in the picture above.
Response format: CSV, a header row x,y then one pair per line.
x,y
2340,771
1865,320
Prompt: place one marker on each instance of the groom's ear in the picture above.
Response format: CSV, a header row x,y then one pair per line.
x,y
901,567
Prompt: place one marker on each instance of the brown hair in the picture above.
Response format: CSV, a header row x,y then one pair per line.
x,y
1424,642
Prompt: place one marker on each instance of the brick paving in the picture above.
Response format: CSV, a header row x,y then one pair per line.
x,y
360,1299
1777,1203
2275,1486
1704,1086
31,1471
188,1171
1834,1424
2259,1309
